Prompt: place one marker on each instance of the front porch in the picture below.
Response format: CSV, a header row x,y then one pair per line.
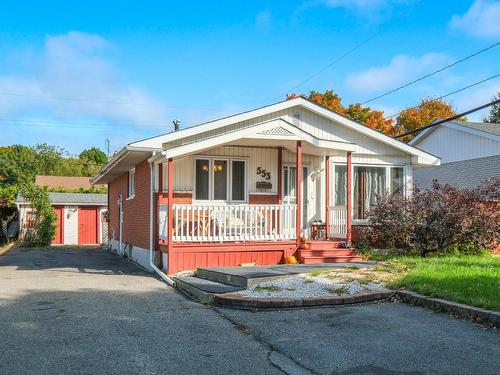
x,y
268,226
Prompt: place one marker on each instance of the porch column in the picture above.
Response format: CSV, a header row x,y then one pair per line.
x,y
280,175
298,184
280,187
349,197
170,202
327,195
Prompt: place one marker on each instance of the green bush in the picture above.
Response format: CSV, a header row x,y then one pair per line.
x,y
44,218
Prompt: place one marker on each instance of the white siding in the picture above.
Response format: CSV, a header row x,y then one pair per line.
x,y
71,225
455,145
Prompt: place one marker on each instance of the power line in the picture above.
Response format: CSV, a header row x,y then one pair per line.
x,y
98,101
455,117
432,73
449,94
334,62
84,124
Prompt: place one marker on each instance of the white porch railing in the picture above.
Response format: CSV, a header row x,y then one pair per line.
x,y
337,221
228,222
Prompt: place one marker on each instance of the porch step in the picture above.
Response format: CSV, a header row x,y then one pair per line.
x,y
331,259
202,289
315,252
242,277
325,245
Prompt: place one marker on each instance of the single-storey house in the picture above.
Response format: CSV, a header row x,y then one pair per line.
x,y
81,217
249,188
469,152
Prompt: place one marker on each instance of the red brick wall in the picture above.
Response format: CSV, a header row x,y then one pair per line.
x,y
262,199
135,210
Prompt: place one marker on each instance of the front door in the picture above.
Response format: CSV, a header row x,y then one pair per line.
x,y
290,191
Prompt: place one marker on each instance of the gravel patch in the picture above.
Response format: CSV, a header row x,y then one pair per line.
x,y
305,285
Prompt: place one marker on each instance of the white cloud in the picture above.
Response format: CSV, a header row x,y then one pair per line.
x,y
401,69
263,20
76,66
481,20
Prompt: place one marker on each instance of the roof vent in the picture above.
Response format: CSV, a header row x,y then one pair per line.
x,y
177,124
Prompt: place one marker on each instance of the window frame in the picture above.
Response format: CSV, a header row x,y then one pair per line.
x,y
131,184
387,182
229,160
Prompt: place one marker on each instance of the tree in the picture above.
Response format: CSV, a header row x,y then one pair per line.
x,y
94,155
494,115
44,227
428,111
365,115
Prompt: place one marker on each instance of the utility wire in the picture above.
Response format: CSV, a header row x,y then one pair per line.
x,y
455,117
334,62
431,73
450,93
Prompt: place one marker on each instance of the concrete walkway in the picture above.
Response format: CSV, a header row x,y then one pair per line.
x,y
91,312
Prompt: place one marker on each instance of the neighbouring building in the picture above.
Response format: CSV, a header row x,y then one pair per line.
x,y
469,153
81,217
246,188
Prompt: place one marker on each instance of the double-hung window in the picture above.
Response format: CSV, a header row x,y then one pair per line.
x,y
131,183
369,183
220,179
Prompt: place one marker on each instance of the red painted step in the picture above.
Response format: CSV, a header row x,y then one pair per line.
x,y
334,259
327,252
324,245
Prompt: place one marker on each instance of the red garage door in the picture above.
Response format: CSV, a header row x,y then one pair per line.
x,y
87,225
58,237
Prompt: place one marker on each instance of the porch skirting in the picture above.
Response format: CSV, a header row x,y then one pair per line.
x,y
191,255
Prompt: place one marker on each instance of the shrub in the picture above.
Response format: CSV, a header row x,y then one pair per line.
x,y
44,228
444,218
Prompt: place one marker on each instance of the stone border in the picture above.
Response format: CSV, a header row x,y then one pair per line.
x,y
232,300
461,310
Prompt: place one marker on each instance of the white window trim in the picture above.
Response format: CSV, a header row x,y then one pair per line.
x,y
156,176
131,186
387,182
229,161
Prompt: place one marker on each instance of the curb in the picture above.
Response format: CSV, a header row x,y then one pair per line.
x,y
6,248
274,303
461,310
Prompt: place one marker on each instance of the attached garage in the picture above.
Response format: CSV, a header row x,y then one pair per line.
x,y
81,218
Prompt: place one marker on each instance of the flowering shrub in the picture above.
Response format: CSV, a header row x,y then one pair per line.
x,y
44,227
439,219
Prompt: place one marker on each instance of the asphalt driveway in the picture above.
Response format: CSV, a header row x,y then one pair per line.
x,y
89,311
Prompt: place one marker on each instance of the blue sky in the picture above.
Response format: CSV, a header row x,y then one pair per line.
x,y
77,73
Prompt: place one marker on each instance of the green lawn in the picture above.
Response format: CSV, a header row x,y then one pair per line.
x,y
474,280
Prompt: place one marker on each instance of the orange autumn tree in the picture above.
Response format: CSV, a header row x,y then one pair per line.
x,y
428,111
365,115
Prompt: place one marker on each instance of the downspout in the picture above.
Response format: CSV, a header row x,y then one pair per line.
x,y
120,223
160,273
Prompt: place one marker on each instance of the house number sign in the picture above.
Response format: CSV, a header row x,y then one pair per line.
x,y
266,184
263,173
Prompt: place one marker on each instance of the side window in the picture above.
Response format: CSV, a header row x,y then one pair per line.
x,y
131,183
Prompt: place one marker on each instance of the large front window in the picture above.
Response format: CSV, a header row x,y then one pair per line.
x,y
220,179
369,183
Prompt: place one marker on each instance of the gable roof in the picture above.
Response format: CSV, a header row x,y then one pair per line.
x,y
155,144
66,182
486,130
91,199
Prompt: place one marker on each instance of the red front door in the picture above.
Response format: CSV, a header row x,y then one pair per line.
x,y
87,225
58,237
